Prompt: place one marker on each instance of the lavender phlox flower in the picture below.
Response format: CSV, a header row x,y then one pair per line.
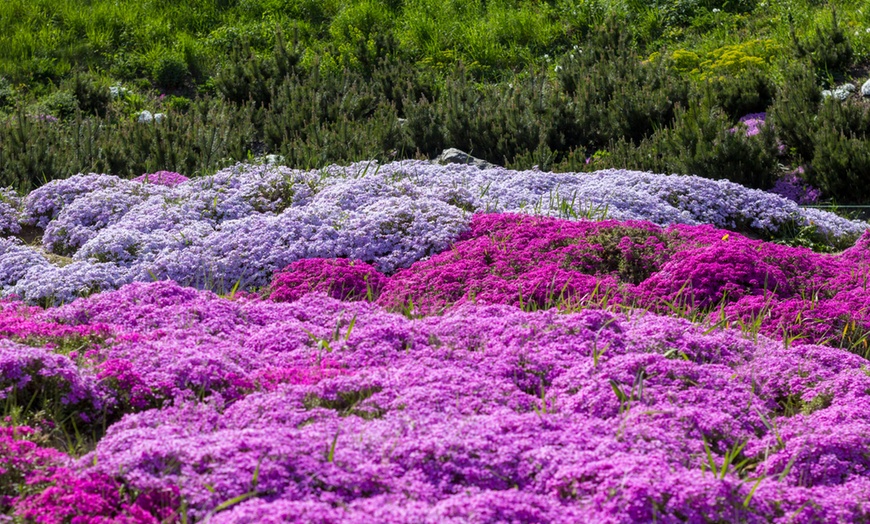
x,y
82,218
10,211
44,203
793,187
397,231
52,285
16,260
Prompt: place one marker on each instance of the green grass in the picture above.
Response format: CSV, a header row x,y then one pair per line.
x,y
641,84
42,42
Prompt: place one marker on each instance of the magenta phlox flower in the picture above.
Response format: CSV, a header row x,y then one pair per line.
x,y
339,278
165,178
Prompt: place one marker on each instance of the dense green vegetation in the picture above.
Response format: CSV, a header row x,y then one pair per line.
x,y
653,85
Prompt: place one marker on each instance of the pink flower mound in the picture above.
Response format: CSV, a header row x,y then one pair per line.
x,y
37,485
705,276
164,178
21,322
20,457
545,262
339,278
518,259
486,414
93,498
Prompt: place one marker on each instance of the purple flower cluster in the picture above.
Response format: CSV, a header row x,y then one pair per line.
x,y
28,372
10,210
793,187
36,484
486,414
753,123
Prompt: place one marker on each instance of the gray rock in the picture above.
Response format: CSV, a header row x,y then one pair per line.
x,y
865,89
117,92
146,117
455,156
840,93
273,159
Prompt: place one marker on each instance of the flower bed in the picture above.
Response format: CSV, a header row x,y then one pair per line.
x,y
384,350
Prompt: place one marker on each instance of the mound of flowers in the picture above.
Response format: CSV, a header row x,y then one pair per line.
x,y
234,229
411,343
697,271
321,410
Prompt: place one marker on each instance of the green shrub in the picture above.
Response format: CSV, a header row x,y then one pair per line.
x,y
828,48
841,159
741,94
178,104
169,71
61,104
248,77
701,142
793,113
92,95
7,94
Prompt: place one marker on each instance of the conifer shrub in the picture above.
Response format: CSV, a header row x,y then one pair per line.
x,y
92,95
701,141
793,113
169,71
841,165
828,48
61,104
740,94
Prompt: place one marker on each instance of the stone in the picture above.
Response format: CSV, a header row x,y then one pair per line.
x,y
865,89
117,92
146,117
455,156
840,93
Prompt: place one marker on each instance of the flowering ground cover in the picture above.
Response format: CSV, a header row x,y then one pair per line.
x,y
234,229
321,410
411,343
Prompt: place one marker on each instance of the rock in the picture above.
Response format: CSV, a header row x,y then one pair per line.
x,y
117,92
840,93
146,117
274,159
455,156
865,89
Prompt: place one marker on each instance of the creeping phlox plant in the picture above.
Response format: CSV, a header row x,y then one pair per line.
x,y
383,349
700,272
233,230
322,410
